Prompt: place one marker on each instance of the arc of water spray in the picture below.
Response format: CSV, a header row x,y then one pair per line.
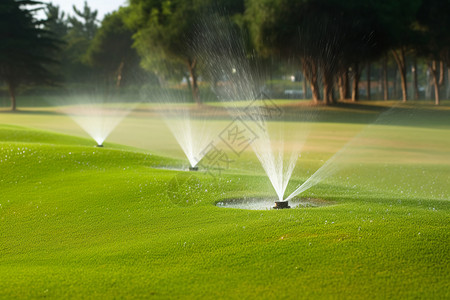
x,y
99,125
95,117
223,51
192,136
187,122
330,167
272,159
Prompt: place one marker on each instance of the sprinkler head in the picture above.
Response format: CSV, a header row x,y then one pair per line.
x,y
193,168
281,205
100,146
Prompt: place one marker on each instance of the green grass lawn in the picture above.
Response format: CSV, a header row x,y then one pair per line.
x,y
78,221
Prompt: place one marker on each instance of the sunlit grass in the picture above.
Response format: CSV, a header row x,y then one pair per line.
x,y
79,221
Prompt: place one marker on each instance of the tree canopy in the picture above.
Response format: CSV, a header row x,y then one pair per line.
x,y
329,42
325,36
111,52
26,50
166,32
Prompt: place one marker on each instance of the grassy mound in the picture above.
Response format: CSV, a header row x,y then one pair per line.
x,y
86,222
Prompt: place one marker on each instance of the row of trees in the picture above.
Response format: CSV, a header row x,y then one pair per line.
x,y
61,49
91,50
26,49
330,41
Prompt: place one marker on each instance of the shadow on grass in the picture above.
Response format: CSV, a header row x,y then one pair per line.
x,y
396,114
413,113
32,112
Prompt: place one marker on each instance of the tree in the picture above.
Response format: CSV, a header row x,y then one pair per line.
x,y
84,23
166,31
26,49
110,52
435,32
275,27
56,21
329,37
82,29
222,49
398,18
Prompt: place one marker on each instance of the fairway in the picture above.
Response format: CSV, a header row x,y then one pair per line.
x,y
77,221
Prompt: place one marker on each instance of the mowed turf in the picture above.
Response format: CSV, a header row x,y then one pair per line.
x,y
78,221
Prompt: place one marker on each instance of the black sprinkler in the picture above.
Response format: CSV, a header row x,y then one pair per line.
x,y
100,146
281,205
193,168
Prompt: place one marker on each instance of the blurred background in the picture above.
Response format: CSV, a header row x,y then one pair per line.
x,y
323,50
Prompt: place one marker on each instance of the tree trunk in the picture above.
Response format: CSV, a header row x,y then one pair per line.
x,y
119,74
12,95
368,81
346,89
327,86
401,63
385,79
441,73
448,82
415,81
310,71
315,94
343,85
327,92
434,73
192,64
355,89
395,93
304,86
355,86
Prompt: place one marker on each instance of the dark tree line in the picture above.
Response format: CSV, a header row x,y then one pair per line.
x,y
63,49
332,42
93,51
327,39
335,39
26,49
